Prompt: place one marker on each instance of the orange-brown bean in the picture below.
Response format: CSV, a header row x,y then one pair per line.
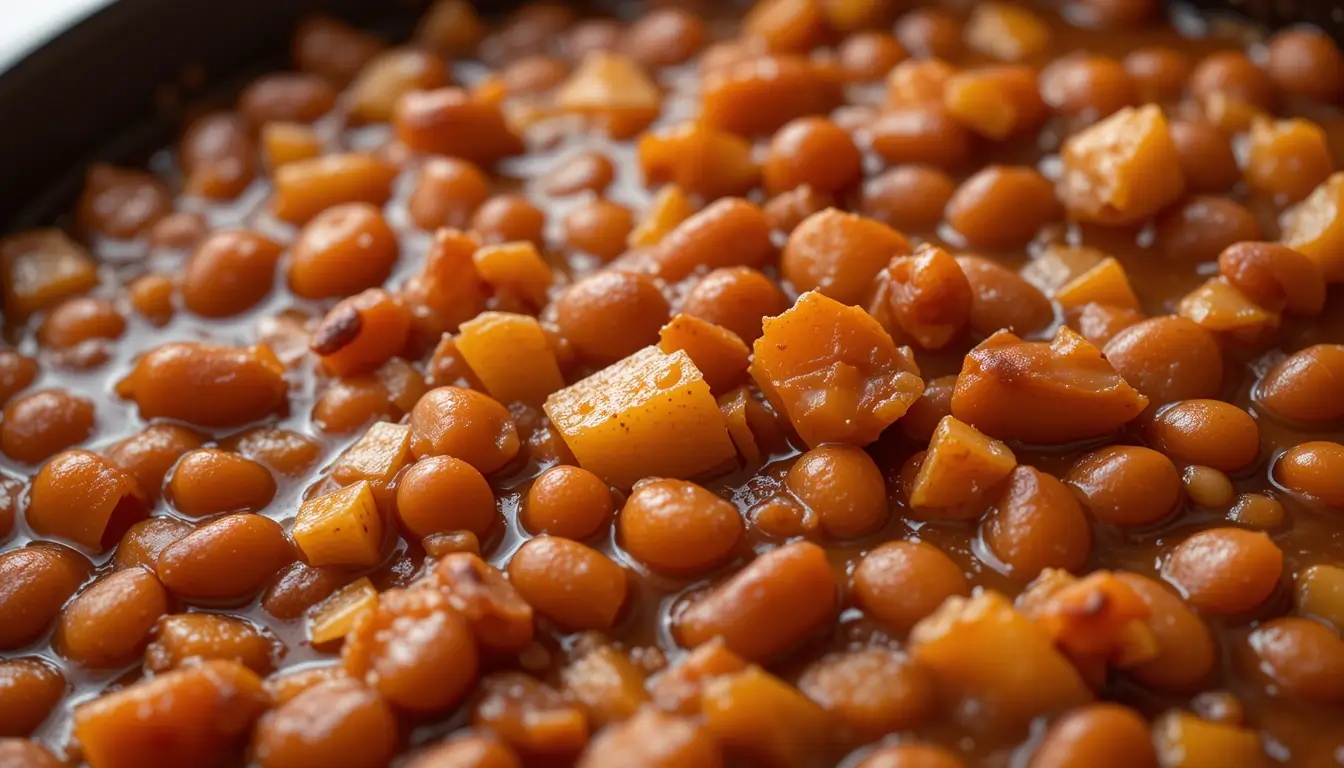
x,y
206,384
40,424
1233,74
736,298
1306,62
908,198
812,151
1206,156
727,233
438,494
677,527
446,194
1202,226
464,424
1314,469
16,373
839,254
204,565
341,722
654,740
1036,524
286,97
1274,276
573,585
611,315
1126,484
1225,570
1210,433
769,606
30,688
229,272
85,498
870,691
79,320
1002,207
186,637
509,218
1159,73
1186,653
332,49
109,623
921,134
569,502
1304,658
930,33
1002,299
34,582
598,227
499,617
149,455
342,251
843,487
1168,359
1101,735
209,481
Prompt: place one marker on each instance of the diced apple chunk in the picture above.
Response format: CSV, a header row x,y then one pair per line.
x,y
1106,283
760,717
834,371
700,159
1184,740
341,528
669,208
1315,227
1006,32
613,92
511,356
1218,305
515,268
649,415
716,351
377,457
1044,394
987,653
1058,265
962,464
733,406
1121,170
43,268
333,617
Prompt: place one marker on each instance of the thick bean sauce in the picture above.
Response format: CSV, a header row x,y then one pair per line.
x,y
829,384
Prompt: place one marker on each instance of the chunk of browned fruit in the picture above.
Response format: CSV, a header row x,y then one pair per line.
x,y
1286,159
717,352
1096,620
962,466
650,415
512,357
1006,32
998,102
1121,170
756,96
759,717
1186,741
1315,227
1106,283
192,716
1043,393
699,159
1220,306
834,371
41,269
612,92
452,123
986,652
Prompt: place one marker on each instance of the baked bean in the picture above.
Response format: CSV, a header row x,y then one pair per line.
x,y
306,188
867,55
1233,74
921,134
361,333
285,451
342,251
812,151
909,198
467,425
204,564
441,493
338,722
1126,485
1303,657
569,502
530,716
664,37
205,384
598,227
218,156
76,321
121,203
787,210
1037,524
843,487
1206,156
1002,207
229,272
467,751
509,218
209,482
727,233
1274,276
415,649
447,192
1301,388
1087,87
84,498
152,297
30,688
926,413
1112,14
208,709
1001,299
1208,432
330,48
1185,649
930,33
40,424
286,97
1168,359
148,455
200,636
676,527
1313,469
756,96
736,298
569,583
454,123
1096,736
655,740
928,296
1202,227
839,254
108,624
1254,510
871,691
918,83
16,373
611,315
1159,73
1207,487
299,587
499,617
1320,593
586,170
34,582
1225,570
913,756
1306,62
351,403
790,590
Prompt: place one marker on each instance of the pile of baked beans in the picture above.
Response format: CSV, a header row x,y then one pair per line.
x,y
834,383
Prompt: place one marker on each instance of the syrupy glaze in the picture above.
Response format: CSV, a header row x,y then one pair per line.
x,y
1294,733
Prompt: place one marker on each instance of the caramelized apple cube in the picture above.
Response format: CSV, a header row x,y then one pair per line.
x,y
42,268
1106,283
962,465
650,415
834,372
1043,393
613,92
1121,170
668,209
760,718
335,616
700,159
716,351
341,528
1218,305
1315,227
511,356
1006,32
515,268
